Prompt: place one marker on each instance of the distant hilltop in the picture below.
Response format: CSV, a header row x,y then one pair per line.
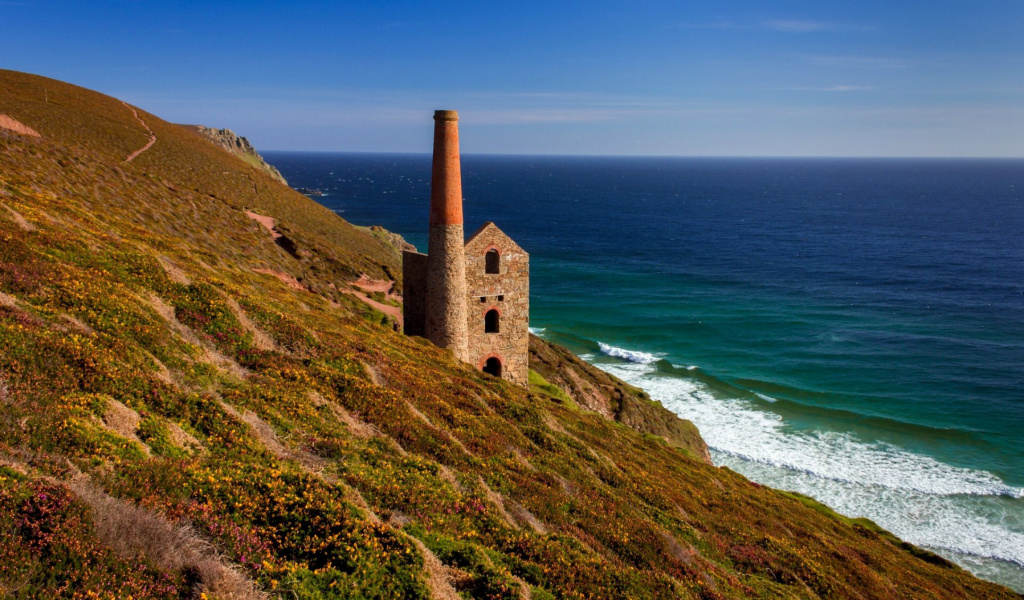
x,y
239,146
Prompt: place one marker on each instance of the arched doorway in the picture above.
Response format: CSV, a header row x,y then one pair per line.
x,y
493,366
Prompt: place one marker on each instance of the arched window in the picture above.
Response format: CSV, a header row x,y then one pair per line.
x,y
493,262
493,366
491,321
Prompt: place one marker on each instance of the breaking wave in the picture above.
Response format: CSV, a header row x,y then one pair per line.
x,y
922,500
644,358
969,515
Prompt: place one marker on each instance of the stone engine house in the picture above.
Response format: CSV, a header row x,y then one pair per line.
x,y
471,296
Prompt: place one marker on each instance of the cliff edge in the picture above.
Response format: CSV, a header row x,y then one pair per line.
x,y
239,146
595,390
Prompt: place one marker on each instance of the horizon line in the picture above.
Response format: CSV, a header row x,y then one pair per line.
x,y
708,156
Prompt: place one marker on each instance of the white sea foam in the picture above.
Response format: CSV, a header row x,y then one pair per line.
x,y
922,500
635,356
537,330
766,398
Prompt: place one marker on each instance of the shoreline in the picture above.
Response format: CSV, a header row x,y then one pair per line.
x,y
636,365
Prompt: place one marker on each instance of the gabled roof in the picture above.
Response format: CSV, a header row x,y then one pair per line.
x,y
488,234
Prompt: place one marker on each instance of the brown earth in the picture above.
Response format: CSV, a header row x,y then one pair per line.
x,y
16,126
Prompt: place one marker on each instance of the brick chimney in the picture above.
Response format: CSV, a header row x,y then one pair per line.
x,y
446,323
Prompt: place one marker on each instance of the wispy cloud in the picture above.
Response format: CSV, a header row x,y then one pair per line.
x,y
833,88
798,26
779,25
875,62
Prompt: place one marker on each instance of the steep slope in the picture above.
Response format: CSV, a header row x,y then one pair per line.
x,y
188,406
607,395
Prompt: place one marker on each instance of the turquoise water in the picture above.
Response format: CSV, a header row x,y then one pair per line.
x,y
849,329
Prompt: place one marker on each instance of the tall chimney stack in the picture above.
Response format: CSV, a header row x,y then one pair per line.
x,y
446,323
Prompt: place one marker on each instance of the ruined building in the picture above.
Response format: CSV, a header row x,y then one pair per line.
x,y
471,296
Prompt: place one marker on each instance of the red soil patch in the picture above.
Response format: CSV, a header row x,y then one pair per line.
x,y
369,286
375,285
16,126
267,222
392,311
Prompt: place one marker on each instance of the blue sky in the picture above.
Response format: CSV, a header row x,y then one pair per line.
x,y
740,78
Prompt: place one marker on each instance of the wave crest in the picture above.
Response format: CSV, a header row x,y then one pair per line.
x,y
636,356
956,510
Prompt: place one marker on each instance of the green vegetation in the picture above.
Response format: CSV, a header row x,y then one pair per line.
x,y
188,409
539,385
587,386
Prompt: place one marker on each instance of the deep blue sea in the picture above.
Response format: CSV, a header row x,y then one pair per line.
x,y
849,329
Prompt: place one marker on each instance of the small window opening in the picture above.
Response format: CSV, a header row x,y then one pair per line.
x,y
483,299
493,366
493,262
501,298
491,321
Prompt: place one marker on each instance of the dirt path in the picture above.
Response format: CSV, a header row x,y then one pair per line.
x,y
267,222
375,285
255,190
152,136
369,286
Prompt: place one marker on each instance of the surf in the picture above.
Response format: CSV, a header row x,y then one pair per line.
x,y
968,515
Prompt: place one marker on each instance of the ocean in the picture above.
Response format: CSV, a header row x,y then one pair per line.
x,y
851,329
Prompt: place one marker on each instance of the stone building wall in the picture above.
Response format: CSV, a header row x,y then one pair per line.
x,y
446,290
414,293
508,292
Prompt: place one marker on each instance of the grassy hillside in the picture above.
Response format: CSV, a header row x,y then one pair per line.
x,y
189,409
598,391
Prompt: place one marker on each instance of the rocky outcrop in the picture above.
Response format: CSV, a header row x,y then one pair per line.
x,y
393,240
239,146
601,392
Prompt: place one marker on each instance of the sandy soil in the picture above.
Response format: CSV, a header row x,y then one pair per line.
x,y
16,126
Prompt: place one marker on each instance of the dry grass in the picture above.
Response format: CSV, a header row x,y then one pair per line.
x,y
123,421
311,463
176,274
8,301
133,531
527,517
20,220
260,338
437,575
211,356
77,324
499,504
355,426
182,439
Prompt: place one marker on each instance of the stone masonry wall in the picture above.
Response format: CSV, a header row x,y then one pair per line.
x,y
508,291
414,293
446,290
